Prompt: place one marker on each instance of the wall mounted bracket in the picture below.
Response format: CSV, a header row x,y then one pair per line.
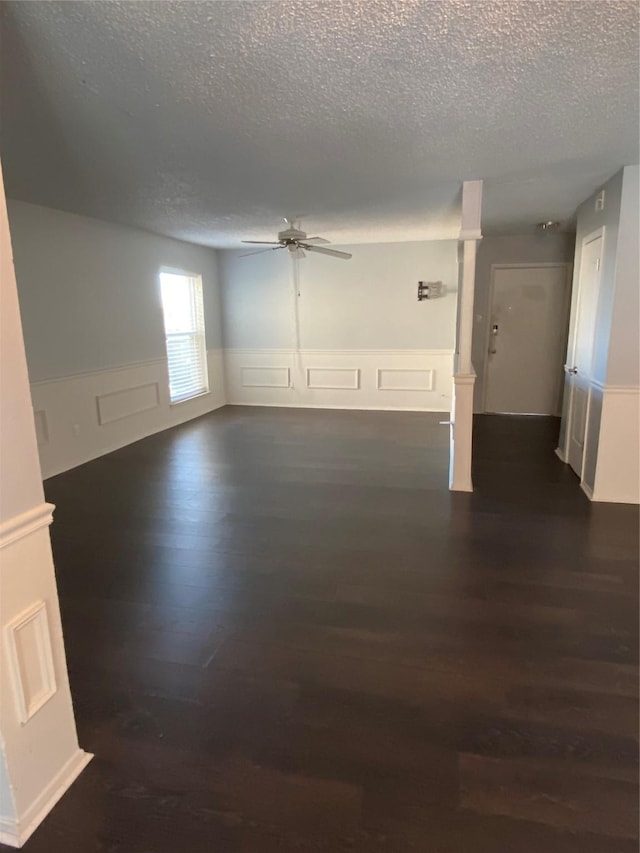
x,y
429,290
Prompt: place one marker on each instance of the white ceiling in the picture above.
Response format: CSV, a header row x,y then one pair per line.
x,y
209,121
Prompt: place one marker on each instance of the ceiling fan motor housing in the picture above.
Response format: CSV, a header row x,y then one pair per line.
x,y
290,234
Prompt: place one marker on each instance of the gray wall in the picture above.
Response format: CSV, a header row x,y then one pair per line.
x,y
590,219
89,291
623,366
524,249
368,302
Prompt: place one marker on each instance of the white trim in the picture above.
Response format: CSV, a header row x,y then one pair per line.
x,y
177,271
354,370
27,706
306,405
186,400
350,379
26,523
470,234
341,352
103,421
560,454
614,389
263,367
430,379
132,365
631,390
16,832
464,378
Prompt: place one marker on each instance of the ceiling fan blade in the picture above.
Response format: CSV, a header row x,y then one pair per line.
x,y
260,251
333,252
262,242
316,240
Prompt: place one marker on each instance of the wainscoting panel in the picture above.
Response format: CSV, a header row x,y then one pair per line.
x,y
266,377
617,472
40,746
412,380
403,379
81,417
128,402
31,660
333,378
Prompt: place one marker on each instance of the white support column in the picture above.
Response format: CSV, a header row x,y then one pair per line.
x,y
465,307
464,376
39,753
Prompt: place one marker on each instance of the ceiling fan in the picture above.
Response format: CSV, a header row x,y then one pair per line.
x,y
297,242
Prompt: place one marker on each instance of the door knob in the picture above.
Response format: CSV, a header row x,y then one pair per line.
x,y
572,370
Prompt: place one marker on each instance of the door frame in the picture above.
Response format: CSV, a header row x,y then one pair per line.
x,y
487,332
563,452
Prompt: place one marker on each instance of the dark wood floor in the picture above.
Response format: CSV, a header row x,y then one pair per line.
x,y
285,634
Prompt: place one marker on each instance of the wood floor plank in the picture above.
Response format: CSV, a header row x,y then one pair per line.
x,y
569,800
284,633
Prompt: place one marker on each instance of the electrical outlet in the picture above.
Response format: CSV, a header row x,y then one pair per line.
x,y
599,205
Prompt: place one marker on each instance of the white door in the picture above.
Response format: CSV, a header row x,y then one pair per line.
x,y
578,366
527,339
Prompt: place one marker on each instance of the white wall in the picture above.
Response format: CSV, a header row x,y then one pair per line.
x,y
363,339
93,328
368,302
517,249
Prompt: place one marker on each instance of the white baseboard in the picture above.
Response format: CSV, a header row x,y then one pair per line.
x,y
560,455
369,380
16,831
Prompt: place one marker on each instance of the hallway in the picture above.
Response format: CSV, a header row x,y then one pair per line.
x,y
285,634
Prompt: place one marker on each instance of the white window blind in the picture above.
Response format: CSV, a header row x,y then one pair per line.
x,y
185,338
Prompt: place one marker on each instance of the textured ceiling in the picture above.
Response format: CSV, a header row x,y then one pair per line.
x,y
209,121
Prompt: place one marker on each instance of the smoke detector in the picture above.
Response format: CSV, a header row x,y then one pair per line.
x,y
548,227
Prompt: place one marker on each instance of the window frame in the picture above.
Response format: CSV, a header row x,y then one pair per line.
x,y
200,335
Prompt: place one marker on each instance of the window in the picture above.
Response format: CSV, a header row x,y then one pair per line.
x,y
184,331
